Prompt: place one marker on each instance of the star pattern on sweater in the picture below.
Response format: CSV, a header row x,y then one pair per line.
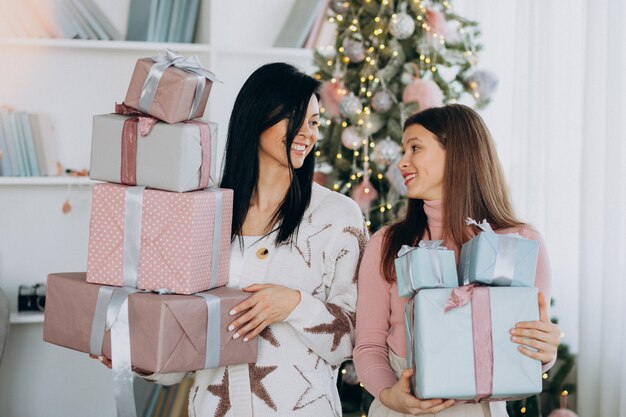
x,y
268,335
221,391
305,251
306,398
318,358
361,238
338,328
257,373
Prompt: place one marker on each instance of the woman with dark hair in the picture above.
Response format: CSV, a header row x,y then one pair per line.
x,y
451,172
295,247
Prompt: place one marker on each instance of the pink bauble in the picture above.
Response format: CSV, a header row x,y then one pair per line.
x,y
364,194
562,412
351,139
437,21
424,92
331,94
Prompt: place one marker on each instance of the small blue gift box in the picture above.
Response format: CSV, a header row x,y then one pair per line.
x,y
466,353
505,260
429,265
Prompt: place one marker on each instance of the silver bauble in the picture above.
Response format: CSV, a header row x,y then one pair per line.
x,y
484,83
372,123
351,139
381,102
385,152
339,6
350,105
402,25
353,49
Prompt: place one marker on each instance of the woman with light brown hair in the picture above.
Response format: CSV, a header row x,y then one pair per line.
x,y
451,172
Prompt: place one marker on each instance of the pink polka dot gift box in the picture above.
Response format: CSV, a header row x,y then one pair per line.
x,y
160,241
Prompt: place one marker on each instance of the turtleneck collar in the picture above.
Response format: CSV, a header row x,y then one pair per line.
x,y
434,212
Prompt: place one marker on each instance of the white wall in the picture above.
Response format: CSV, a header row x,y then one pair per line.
x,y
535,119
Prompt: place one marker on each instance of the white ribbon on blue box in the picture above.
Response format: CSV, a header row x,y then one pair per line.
x,y
503,260
429,265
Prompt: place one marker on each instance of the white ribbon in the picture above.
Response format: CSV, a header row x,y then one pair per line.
x,y
189,64
213,327
217,235
132,234
112,310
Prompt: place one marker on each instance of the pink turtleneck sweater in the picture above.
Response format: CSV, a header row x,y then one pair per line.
x,y
380,310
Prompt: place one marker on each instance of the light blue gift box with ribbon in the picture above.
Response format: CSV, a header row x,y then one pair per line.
x,y
429,265
465,353
506,260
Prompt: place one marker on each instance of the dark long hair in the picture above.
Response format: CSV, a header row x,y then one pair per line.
x,y
473,183
272,93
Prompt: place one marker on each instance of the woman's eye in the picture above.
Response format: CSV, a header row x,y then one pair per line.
x,y
314,123
414,148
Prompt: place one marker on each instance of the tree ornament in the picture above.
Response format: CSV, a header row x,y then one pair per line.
x,y
339,6
354,49
483,83
348,374
426,93
395,178
562,411
401,25
331,94
350,105
385,152
372,123
351,139
381,102
364,194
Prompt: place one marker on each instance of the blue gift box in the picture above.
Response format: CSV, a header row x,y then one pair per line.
x,y
429,265
442,345
507,260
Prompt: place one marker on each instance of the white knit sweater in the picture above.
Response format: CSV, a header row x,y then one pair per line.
x,y
295,374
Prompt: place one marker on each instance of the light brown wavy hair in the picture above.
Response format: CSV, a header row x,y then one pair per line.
x,y
473,183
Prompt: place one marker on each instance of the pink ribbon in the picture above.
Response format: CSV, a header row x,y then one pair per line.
x,y
144,124
481,334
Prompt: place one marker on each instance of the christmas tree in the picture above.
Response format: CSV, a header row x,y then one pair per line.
x,y
390,60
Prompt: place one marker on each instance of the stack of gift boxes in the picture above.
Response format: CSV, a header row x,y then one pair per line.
x,y
458,322
159,235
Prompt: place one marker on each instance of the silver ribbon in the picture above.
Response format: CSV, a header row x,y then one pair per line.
x,y
217,235
115,302
432,246
504,270
189,64
132,234
213,327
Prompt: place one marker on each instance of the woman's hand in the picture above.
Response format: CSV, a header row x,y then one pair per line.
x,y
398,397
542,335
269,304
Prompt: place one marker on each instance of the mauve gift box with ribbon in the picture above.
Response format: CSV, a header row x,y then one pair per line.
x,y
461,346
508,260
173,157
168,333
170,87
430,265
158,240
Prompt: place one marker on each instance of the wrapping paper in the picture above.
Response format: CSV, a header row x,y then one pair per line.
x,y
167,332
169,158
174,96
443,346
430,265
158,240
508,260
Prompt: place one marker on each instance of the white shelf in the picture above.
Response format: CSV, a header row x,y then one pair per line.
x,y
26,317
105,45
61,180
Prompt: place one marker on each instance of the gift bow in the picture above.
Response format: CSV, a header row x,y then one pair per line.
x,y
435,261
481,334
145,121
484,225
189,64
